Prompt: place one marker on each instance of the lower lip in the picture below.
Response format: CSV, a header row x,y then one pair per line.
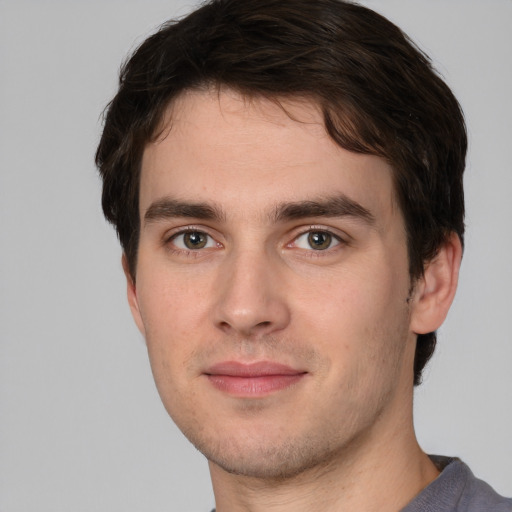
x,y
255,386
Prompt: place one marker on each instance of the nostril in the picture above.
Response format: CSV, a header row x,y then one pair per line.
x,y
224,325
248,330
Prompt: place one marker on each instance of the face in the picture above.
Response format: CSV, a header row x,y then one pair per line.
x,y
271,286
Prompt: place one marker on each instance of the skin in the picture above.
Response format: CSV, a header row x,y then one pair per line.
x,y
343,316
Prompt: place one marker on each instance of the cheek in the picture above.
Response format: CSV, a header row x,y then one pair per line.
x,y
359,317
172,310
169,301
167,316
352,298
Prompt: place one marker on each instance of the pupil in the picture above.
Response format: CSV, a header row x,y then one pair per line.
x,y
319,240
195,240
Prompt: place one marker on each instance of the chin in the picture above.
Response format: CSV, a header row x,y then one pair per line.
x,y
265,459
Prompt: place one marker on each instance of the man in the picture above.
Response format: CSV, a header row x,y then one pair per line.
x,y
286,181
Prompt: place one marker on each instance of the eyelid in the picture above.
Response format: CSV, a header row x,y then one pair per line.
x,y
334,241
340,237
188,228
335,233
173,233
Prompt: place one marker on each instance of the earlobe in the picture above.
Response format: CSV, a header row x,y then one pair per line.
x,y
434,292
131,292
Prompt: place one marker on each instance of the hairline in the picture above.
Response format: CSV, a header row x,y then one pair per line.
x,y
163,128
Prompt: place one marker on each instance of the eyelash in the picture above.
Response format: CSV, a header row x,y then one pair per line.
x,y
311,252
169,242
334,241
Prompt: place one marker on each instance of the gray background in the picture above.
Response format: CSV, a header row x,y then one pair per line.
x,y
81,426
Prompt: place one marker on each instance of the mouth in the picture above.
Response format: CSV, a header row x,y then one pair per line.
x,y
252,380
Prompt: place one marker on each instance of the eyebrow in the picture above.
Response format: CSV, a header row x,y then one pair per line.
x,y
168,208
336,206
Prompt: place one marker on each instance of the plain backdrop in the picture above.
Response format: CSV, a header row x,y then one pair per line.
x,y
81,425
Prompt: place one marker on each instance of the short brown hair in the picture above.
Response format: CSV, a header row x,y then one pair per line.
x,y
378,93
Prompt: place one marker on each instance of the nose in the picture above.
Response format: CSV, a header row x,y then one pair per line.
x,y
251,298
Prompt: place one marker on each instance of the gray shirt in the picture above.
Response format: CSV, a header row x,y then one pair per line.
x,y
457,490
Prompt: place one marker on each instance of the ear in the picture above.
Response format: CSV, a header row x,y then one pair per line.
x,y
131,292
434,292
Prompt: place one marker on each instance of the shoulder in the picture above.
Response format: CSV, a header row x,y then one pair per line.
x,y
456,489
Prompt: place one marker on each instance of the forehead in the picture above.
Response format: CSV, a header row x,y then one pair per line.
x,y
252,153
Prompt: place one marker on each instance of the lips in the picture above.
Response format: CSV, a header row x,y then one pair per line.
x,y
252,380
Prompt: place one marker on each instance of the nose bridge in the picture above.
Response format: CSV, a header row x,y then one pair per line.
x,y
250,299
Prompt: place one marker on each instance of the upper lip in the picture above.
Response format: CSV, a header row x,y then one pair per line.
x,y
257,369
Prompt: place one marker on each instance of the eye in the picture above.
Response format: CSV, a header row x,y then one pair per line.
x,y
316,240
193,240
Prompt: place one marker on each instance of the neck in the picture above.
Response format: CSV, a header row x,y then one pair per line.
x,y
379,472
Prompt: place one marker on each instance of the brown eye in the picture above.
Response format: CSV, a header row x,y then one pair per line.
x,y
192,241
319,240
316,240
195,240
